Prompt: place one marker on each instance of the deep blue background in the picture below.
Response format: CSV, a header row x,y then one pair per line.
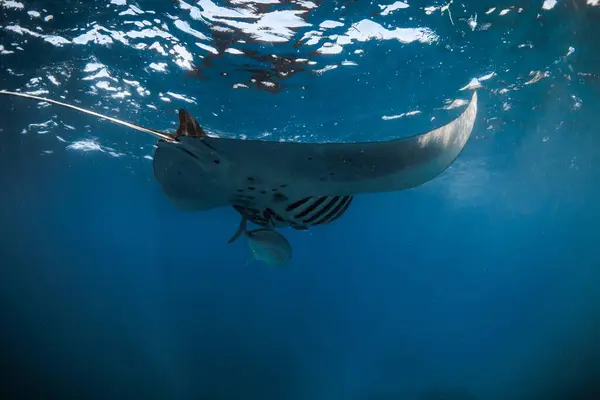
x,y
484,279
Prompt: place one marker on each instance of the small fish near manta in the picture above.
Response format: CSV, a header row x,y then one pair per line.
x,y
290,184
266,244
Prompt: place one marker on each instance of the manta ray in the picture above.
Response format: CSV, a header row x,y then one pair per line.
x,y
289,184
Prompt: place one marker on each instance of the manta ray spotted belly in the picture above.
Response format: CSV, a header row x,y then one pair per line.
x,y
280,184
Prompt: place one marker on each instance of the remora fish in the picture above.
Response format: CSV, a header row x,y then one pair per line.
x,y
279,184
266,245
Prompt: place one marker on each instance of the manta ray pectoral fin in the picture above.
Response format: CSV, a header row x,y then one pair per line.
x,y
158,134
201,173
299,170
188,126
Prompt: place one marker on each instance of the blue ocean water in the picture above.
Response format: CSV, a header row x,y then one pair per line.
x,y
480,284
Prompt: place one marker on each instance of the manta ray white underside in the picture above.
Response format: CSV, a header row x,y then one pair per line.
x,y
200,172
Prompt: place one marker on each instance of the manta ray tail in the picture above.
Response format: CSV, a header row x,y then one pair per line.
x,y
161,135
